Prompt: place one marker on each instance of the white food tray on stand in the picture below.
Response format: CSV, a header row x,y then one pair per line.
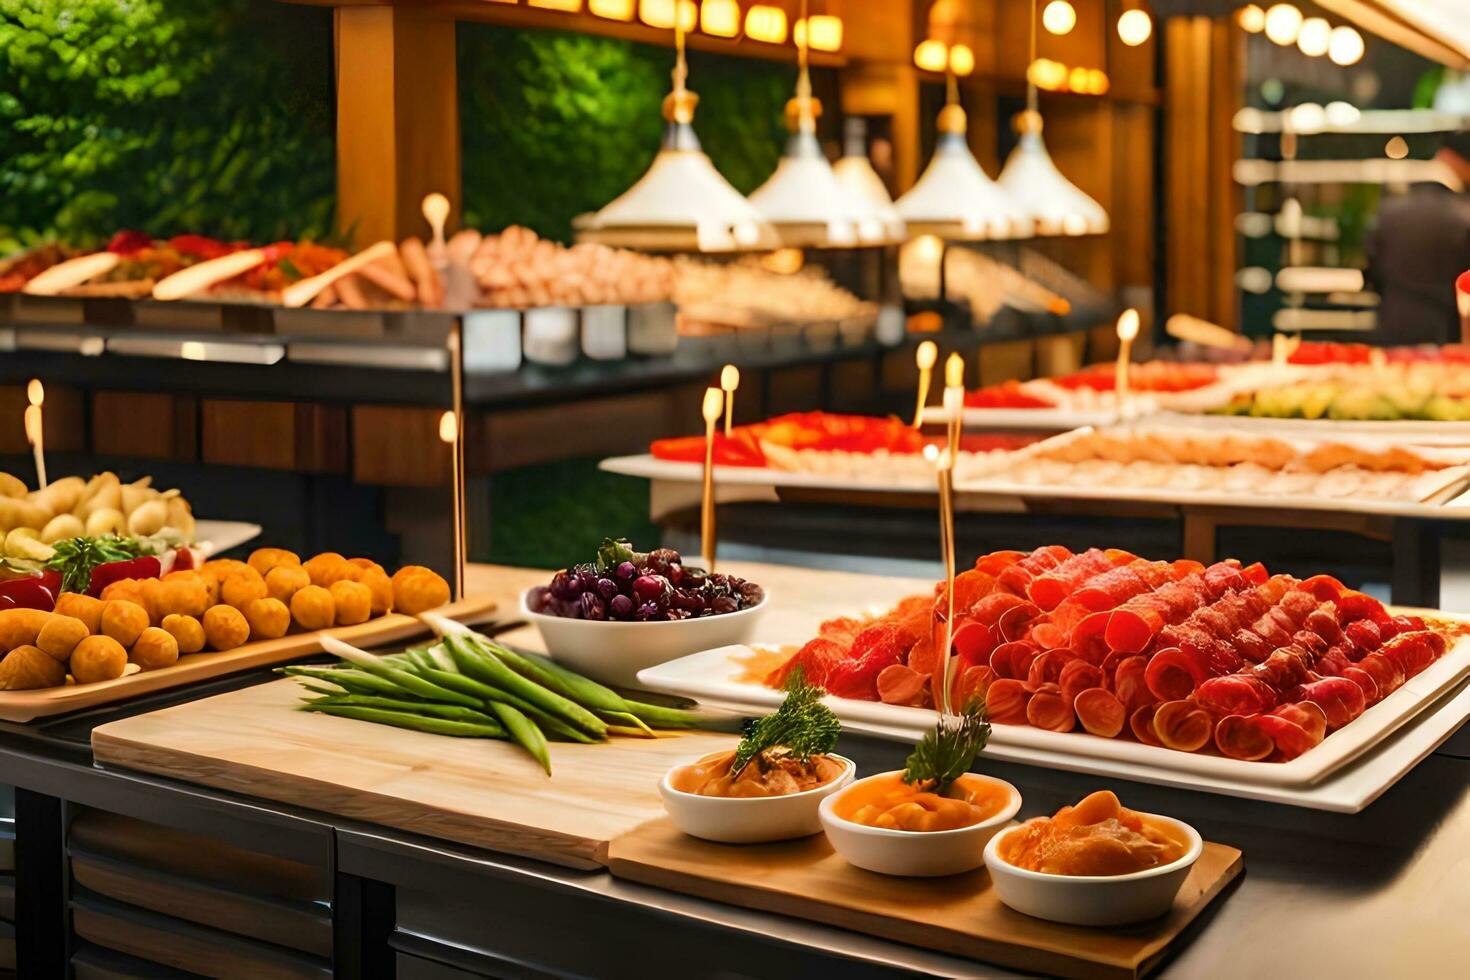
x,y
217,537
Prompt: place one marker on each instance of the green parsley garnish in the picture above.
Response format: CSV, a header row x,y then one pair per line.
x,y
803,726
948,751
76,557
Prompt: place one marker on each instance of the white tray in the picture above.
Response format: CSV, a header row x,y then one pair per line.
x,y
217,537
711,676
651,468
1412,431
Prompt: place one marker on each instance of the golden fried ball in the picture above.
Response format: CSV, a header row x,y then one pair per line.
x,y
124,621
155,648
325,568
181,594
313,608
83,607
60,636
27,668
211,580
265,559
186,631
381,587
268,618
222,568
354,602
98,658
419,591
366,563
20,627
130,589
225,627
242,588
283,581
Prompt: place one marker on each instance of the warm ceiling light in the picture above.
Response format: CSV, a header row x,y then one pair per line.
x,y
1283,21
1077,80
1059,17
1135,27
763,23
660,13
719,18
1345,46
1097,81
568,6
826,32
1252,18
1313,37
613,9
961,60
931,55
1396,148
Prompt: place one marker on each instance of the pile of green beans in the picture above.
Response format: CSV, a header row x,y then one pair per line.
x,y
469,686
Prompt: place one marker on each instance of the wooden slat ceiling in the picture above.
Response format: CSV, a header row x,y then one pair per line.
x,y
1437,29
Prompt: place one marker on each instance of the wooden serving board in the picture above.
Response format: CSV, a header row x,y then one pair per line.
x,y
959,915
23,706
479,792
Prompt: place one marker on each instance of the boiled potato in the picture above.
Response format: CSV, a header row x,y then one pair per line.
x,y
61,527
11,486
106,520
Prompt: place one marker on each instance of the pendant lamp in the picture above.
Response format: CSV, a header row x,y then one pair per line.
x,y
855,173
1031,178
954,198
803,199
682,203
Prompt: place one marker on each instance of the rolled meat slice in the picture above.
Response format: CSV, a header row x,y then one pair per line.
x,y
901,684
1005,701
1238,737
1387,675
1414,651
1100,712
1076,676
1049,589
1016,577
1048,709
1132,626
997,561
1130,684
1141,723
1183,725
1046,668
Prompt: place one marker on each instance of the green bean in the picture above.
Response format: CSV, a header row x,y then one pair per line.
x,y
554,677
525,732
623,719
357,682
486,692
601,698
417,723
658,716
492,671
414,684
452,712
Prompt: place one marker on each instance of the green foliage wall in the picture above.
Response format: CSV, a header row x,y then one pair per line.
x,y
213,116
554,124
216,116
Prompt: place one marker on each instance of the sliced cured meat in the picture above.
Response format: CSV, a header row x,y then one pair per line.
x,y
1255,573
1048,635
1172,674
1048,709
1049,589
1016,577
1223,577
1323,622
971,684
1141,723
1183,725
1386,673
1313,644
1333,662
1116,586
1016,621
1290,738
1235,694
842,630
901,684
1251,647
998,561
1365,683
1284,669
1359,605
1047,667
875,648
1013,660
1005,701
924,656
816,661
1130,684
989,609
1324,587
971,643
1133,625
1413,651
1238,737
1408,624
1078,675
1308,716
969,588
1100,711
1364,635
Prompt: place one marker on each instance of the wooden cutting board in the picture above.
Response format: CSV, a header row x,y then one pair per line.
x,y
23,706
959,915
473,791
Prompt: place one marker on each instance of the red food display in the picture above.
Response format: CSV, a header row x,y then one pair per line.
x,y
1225,658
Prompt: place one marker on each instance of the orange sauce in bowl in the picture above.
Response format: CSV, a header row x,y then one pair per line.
x,y
890,803
1097,837
768,774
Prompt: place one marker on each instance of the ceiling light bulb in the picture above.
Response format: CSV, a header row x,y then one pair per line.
x,y
931,55
1059,17
612,9
1135,27
765,23
719,18
1313,37
1252,18
1283,21
961,60
1345,46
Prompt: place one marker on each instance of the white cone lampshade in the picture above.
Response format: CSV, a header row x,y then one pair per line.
x,y
855,173
810,207
1033,181
954,198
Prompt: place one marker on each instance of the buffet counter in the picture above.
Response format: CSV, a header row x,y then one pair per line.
x,y
1363,894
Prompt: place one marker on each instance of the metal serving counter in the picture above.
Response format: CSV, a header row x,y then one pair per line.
x,y
1380,893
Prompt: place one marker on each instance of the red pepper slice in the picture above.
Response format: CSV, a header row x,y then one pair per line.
x,y
31,592
146,566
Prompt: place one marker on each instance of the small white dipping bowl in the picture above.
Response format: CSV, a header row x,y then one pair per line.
x,y
750,820
915,853
613,652
1093,900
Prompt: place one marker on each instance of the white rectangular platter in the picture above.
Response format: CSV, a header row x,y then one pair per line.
x,y
651,468
713,677
1411,431
220,536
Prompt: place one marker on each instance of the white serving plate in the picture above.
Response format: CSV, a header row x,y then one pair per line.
x,y
1413,431
711,676
220,536
650,468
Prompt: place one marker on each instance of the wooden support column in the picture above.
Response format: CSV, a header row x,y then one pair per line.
x,y
397,118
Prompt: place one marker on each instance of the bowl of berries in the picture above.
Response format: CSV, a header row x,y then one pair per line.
x,y
627,610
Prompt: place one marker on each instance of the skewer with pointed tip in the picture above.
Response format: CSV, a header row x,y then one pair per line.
x,y
714,403
35,434
729,381
954,402
1127,333
924,356
436,212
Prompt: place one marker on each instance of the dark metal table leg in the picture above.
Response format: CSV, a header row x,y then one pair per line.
x,y
1416,563
363,916
42,924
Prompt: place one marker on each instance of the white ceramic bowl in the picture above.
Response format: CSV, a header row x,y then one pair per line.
x,y
753,820
1086,900
614,652
910,853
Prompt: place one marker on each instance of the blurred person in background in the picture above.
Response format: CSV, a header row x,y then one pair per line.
x,y
1419,245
